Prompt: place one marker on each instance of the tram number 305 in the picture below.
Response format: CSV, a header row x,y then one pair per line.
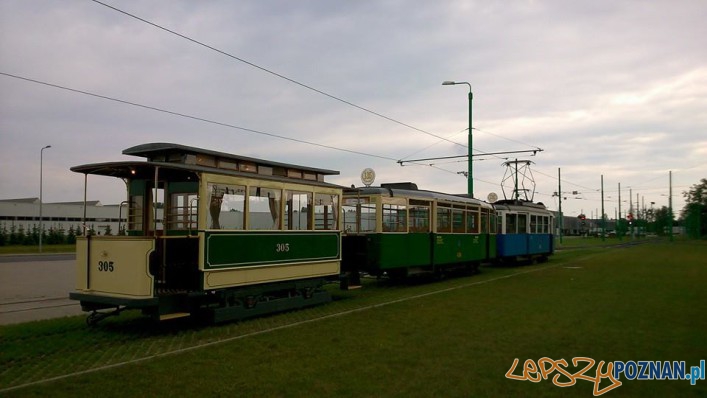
x,y
105,266
282,247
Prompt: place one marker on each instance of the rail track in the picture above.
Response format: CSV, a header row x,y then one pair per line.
x,y
34,309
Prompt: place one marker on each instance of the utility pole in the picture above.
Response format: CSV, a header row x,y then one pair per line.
x,y
638,210
630,210
41,218
560,219
621,235
670,204
603,220
470,174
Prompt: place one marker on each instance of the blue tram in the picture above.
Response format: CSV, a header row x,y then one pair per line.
x,y
524,231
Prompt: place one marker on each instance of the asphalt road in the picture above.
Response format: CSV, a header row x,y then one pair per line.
x,y
23,258
34,287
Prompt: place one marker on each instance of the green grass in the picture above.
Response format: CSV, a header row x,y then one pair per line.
x,y
457,337
573,242
21,249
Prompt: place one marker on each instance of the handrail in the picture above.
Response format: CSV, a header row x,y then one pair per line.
x,y
190,214
120,213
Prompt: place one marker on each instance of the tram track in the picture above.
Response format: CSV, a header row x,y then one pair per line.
x,y
37,308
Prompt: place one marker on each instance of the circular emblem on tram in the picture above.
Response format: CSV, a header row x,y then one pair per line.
x,y
368,176
492,197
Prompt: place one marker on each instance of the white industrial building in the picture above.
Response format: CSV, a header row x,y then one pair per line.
x,y
61,216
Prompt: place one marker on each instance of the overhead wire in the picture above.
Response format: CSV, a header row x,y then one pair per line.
x,y
271,72
505,138
306,86
433,144
201,119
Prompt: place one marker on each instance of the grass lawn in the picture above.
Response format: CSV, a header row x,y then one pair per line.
x,y
457,337
573,242
21,249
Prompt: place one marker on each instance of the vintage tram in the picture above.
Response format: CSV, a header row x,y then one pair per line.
x,y
211,234
398,230
222,237
524,231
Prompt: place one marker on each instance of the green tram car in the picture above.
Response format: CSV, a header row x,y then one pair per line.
x,y
398,230
211,234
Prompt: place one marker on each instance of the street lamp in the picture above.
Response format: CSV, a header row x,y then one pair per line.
x,y
41,220
470,176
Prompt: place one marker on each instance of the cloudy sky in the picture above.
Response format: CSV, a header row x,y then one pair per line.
x,y
617,88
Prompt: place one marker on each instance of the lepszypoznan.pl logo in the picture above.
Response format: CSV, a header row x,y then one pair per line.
x,y
612,372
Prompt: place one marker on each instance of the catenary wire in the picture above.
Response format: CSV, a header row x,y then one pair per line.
x,y
153,108
281,76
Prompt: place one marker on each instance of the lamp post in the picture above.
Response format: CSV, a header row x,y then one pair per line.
x,y
41,220
470,176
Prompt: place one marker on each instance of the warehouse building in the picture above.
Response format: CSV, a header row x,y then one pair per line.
x,y
24,214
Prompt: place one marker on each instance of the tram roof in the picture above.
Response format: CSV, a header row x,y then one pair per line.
x,y
413,193
176,153
510,204
177,171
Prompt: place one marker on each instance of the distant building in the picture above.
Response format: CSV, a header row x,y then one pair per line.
x,y
24,213
571,225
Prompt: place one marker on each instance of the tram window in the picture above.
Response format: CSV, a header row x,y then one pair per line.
x,y
511,221
226,206
522,223
135,213
534,227
484,221
419,213
394,218
325,211
264,208
298,209
444,219
359,215
458,221
472,221
182,211
496,224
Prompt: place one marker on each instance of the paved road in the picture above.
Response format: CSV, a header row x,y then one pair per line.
x,y
36,287
24,258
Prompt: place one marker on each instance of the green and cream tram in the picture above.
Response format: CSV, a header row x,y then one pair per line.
x,y
210,233
398,230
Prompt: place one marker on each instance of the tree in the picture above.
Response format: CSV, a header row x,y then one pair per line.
x,y
694,214
662,222
71,238
4,237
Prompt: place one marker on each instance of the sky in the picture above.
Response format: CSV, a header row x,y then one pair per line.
x,y
612,88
